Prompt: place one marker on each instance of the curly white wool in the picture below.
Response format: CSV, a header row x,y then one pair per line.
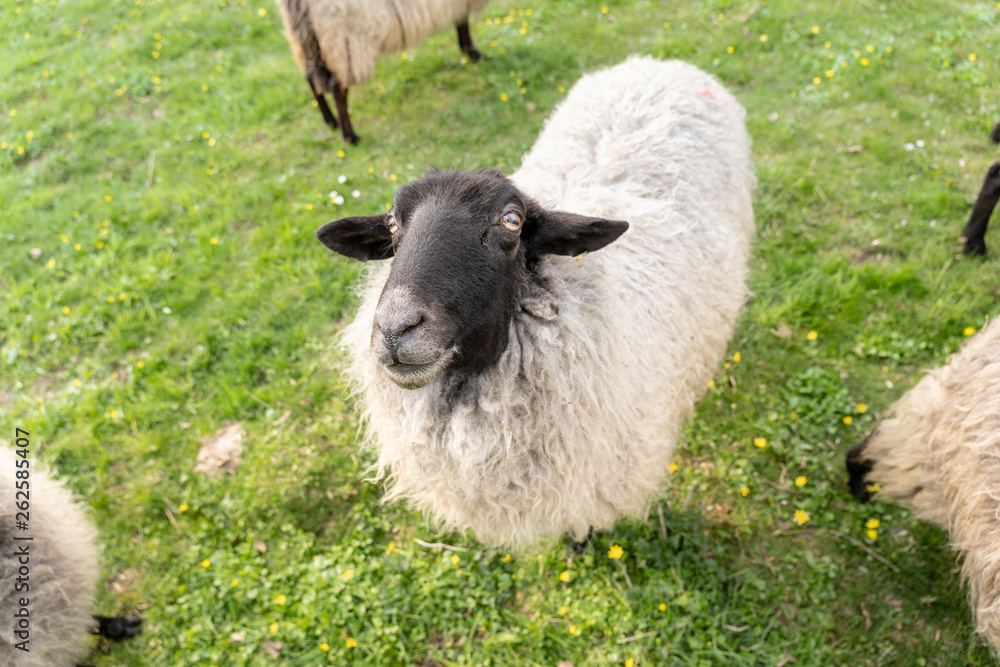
x,y
62,570
575,424
352,34
938,453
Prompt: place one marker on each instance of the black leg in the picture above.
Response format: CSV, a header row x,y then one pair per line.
x,y
465,42
857,468
340,98
324,108
974,234
117,627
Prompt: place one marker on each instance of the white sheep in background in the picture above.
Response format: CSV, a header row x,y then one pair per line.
x,y
544,394
336,42
938,453
61,569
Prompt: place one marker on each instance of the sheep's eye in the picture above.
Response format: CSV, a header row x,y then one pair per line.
x,y
511,221
393,227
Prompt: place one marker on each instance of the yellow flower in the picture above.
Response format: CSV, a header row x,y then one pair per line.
x,y
862,408
711,383
763,38
273,628
873,487
77,246
214,241
815,30
731,49
869,48
262,12
888,49
673,467
864,62
350,643
281,599
800,481
77,383
812,335
872,534
65,310
737,357
816,80
972,57
604,10
340,153
630,662
828,44
830,73
235,582
347,575
969,331
107,197
564,576
324,647
114,414
759,443
506,558
206,563
51,264
800,517
111,299
662,606
455,559
872,524
563,611
389,549
573,630
183,507
503,97
744,491
848,419
615,552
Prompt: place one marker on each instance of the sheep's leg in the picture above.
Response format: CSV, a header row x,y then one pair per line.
x,y
857,468
340,98
578,547
117,627
324,108
974,234
465,42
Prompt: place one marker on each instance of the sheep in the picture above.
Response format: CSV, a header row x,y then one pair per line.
x,y
938,453
336,42
48,580
974,235
512,385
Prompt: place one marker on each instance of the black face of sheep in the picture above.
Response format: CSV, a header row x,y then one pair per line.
x,y
463,245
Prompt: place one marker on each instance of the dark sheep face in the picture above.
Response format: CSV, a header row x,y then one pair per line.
x,y
464,244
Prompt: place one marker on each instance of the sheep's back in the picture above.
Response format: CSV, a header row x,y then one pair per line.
x,y
63,570
352,34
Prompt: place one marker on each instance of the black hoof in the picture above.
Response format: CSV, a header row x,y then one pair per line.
x,y
857,468
352,139
975,247
118,627
474,55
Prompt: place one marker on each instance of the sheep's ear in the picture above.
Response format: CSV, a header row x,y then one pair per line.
x,y
362,238
561,233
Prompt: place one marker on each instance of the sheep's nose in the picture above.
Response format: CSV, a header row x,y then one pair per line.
x,y
395,326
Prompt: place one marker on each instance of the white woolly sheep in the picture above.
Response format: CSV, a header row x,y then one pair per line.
x,y
336,42
514,390
938,453
47,582
974,235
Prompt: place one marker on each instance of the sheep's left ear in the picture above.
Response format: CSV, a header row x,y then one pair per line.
x,y
362,238
561,233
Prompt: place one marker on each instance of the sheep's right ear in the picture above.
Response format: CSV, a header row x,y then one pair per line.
x,y
364,238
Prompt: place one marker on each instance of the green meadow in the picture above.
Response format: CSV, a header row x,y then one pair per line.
x,y
162,172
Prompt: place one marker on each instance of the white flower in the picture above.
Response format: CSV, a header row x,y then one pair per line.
x,y
919,143
341,178
338,200
166,310
356,193
908,146
333,194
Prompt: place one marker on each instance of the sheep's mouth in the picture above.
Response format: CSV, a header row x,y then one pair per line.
x,y
414,376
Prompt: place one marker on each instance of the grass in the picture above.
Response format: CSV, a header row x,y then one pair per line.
x,y
165,161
